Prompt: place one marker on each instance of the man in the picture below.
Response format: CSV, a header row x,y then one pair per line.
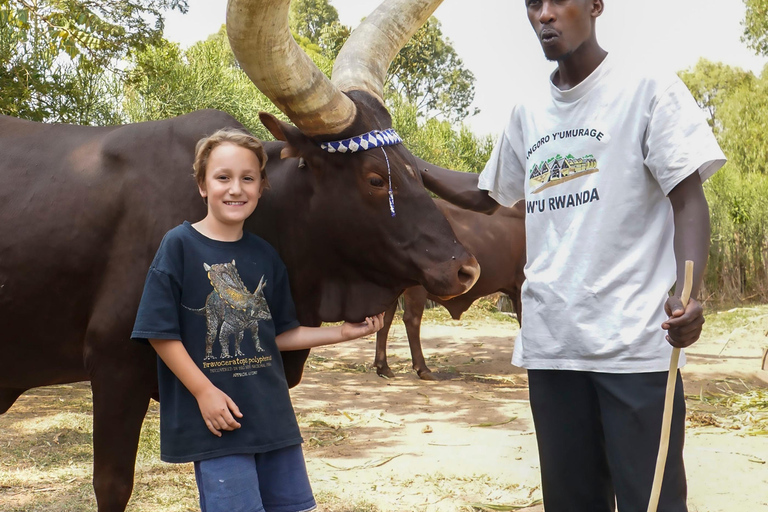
x,y
610,161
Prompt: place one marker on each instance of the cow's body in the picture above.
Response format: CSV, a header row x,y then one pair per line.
x,y
83,211
498,243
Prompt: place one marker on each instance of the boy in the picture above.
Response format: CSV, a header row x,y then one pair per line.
x,y
217,309
610,161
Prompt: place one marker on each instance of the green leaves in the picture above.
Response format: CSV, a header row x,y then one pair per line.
x,y
166,81
756,26
429,73
60,57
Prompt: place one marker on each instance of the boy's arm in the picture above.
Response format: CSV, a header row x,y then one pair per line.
x,y
308,337
691,217
215,406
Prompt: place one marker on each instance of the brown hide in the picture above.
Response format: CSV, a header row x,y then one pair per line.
x,y
83,211
498,243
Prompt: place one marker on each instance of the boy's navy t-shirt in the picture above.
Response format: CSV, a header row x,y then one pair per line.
x,y
226,302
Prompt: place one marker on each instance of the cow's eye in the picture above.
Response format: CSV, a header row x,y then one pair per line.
x,y
375,181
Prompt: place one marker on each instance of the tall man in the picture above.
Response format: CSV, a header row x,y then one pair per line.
x,y
610,160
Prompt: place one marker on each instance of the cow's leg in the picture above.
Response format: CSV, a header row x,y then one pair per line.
x,y
415,300
123,378
515,295
8,396
380,360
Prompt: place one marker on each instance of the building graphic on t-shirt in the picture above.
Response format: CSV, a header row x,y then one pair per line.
x,y
230,310
559,169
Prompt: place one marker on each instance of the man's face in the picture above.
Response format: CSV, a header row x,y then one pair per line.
x,y
562,26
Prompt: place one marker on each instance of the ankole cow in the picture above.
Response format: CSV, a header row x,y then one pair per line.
x,y
83,211
498,242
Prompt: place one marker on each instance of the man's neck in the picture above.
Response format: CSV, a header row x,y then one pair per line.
x,y
575,67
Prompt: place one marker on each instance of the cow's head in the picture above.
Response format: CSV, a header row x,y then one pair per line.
x,y
394,245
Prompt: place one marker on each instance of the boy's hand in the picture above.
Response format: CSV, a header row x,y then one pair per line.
x,y
371,325
218,410
683,325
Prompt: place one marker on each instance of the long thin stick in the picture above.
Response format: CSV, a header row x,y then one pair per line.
x,y
666,420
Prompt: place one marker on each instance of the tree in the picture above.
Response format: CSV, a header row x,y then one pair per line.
x,y
756,25
711,83
429,73
54,54
308,18
165,81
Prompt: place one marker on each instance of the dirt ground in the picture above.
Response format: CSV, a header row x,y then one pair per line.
x,y
466,442
462,443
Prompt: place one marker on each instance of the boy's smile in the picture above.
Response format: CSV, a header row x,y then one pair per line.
x,y
232,189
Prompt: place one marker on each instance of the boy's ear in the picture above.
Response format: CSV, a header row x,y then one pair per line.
x,y
297,145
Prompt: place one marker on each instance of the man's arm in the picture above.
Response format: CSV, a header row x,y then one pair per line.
x,y
217,409
692,232
459,188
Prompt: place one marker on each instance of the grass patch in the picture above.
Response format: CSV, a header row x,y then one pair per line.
x,y
726,321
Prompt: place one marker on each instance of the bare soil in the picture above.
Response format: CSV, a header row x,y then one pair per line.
x,y
462,443
466,441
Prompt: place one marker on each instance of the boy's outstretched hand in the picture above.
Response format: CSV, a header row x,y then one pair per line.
x,y
218,410
371,325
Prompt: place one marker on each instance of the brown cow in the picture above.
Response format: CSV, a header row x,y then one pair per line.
x,y
498,243
83,211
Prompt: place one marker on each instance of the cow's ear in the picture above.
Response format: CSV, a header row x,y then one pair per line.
x,y
296,142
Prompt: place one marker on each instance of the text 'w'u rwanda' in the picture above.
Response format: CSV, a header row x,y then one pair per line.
x,y
564,201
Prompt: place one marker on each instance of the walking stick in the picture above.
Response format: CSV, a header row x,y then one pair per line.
x,y
666,419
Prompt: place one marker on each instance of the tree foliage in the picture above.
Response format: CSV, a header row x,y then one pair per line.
x,y
58,56
756,25
711,83
166,81
427,72
308,18
99,30
737,102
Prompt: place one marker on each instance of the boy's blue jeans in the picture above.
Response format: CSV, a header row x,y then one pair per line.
x,y
274,481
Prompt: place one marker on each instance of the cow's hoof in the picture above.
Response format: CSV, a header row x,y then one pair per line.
x,y
385,373
426,375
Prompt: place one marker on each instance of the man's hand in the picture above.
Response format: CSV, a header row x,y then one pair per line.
x,y
684,324
371,325
218,410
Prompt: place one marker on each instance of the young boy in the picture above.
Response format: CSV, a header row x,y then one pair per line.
x,y
610,160
218,310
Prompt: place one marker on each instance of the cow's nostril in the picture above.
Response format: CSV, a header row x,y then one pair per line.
x,y
469,273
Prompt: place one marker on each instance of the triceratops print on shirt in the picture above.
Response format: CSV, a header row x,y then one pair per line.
x,y
230,310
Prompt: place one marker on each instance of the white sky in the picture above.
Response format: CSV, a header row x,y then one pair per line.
x,y
497,44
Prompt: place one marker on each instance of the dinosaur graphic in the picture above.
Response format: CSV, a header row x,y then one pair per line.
x,y
230,309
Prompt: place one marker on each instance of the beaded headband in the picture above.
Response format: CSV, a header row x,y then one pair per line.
x,y
372,139
364,142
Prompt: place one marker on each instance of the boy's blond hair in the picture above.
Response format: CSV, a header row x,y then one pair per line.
x,y
231,136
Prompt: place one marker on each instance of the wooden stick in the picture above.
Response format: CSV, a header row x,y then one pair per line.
x,y
666,420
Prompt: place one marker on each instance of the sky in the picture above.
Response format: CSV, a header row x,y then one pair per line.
x,y
496,42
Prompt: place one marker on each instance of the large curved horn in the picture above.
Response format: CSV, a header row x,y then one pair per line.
x,y
263,46
364,59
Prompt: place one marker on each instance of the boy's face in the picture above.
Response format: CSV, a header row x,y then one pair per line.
x,y
562,26
232,184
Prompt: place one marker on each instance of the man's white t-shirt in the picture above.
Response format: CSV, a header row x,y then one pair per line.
x,y
594,165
